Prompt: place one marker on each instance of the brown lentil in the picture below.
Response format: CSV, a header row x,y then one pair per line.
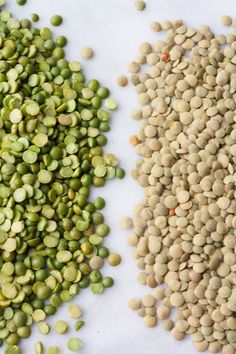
x,y
184,230
122,80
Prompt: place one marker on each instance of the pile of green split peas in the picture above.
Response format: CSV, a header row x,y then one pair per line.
x,y
52,125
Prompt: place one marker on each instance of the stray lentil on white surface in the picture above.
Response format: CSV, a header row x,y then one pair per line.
x,y
126,223
184,229
226,20
140,5
87,53
122,80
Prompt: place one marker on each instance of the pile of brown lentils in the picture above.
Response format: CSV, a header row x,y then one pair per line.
x,y
184,229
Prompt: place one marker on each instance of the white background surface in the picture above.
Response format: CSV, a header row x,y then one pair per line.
x,y
114,29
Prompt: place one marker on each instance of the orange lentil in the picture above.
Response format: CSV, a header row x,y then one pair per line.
x,y
134,140
177,23
165,57
172,212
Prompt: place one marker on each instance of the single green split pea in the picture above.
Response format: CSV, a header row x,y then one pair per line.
x,y
74,311
79,325
110,104
43,328
60,326
21,2
34,17
53,349
38,348
97,288
74,344
114,259
56,20
12,349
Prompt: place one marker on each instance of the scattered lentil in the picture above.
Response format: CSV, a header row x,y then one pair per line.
x,y
140,5
135,304
133,67
122,80
126,223
226,20
155,26
150,321
86,53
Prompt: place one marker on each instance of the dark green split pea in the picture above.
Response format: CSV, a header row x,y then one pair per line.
x,y
21,2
